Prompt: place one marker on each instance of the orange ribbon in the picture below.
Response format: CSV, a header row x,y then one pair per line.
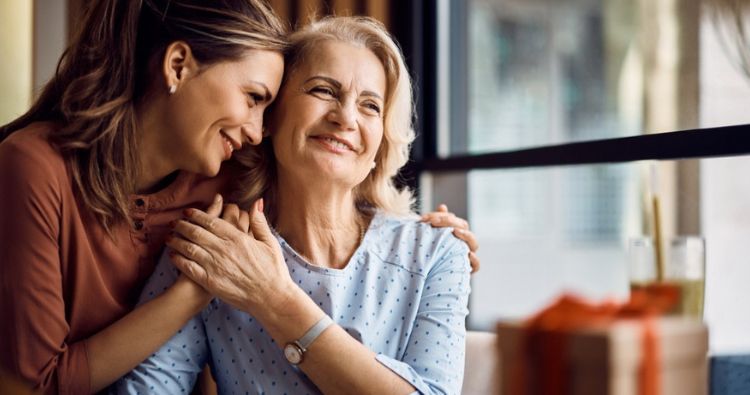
x,y
545,338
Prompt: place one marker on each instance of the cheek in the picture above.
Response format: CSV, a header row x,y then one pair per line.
x,y
281,146
258,116
235,111
374,140
182,127
190,117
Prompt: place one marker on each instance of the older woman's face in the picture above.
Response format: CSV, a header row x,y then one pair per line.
x,y
329,121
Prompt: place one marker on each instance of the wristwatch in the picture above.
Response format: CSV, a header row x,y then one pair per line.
x,y
294,352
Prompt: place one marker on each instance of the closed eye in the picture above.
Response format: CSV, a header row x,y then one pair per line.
x,y
256,98
372,106
323,91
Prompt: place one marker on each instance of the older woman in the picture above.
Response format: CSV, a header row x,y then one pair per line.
x,y
362,298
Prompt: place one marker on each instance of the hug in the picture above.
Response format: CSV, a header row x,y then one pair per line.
x,y
265,162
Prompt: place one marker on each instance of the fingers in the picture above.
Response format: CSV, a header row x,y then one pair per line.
x,y
244,224
193,233
188,249
237,217
258,224
232,214
216,226
474,261
189,268
442,220
468,237
214,209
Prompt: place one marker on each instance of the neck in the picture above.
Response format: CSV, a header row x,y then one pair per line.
x,y
325,226
154,167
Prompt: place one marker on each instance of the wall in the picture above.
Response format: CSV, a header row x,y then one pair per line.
x,y
16,64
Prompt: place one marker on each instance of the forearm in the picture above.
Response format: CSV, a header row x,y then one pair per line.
x,y
339,364
117,349
335,362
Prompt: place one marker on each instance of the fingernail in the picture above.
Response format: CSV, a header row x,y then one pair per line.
x,y
260,205
187,212
218,198
172,224
459,230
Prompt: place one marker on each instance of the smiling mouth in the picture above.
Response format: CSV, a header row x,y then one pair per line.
x,y
339,145
231,144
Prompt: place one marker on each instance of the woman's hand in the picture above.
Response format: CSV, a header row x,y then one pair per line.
x,y
443,218
244,268
214,210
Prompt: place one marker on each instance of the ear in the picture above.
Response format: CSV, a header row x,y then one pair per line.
x,y
179,64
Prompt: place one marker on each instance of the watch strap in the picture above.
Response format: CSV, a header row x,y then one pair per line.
x,y
313,333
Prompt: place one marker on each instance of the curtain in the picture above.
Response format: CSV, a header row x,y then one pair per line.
x,y
299,12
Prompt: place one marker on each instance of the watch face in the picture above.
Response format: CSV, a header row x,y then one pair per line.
x,y
293,353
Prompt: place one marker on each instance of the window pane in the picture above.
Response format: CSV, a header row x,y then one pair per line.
x,y
544,231
725,223
548,72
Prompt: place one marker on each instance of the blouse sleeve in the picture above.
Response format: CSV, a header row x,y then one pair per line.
x,y
434,359
174,368
34,332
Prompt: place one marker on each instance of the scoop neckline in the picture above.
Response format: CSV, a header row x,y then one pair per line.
x,y
303,263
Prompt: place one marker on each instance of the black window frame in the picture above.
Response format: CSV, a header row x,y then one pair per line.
x,y
416,28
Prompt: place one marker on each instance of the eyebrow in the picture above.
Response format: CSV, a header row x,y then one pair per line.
x,y
337,85
268,96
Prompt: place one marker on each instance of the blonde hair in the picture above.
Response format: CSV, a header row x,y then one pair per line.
x,y
378,189
110,66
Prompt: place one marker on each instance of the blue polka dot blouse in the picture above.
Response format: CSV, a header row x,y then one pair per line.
x,y
403,294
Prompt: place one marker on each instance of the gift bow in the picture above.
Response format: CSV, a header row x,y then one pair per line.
x,y
545,336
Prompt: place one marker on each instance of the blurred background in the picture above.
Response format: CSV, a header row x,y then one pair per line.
x,y
508,77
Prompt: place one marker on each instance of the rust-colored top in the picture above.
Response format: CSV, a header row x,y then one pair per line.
x,y
62,278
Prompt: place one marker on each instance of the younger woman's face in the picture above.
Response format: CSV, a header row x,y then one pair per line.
x,y
219,109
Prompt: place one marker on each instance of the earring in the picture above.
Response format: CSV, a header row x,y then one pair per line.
x,y
172,89
374,164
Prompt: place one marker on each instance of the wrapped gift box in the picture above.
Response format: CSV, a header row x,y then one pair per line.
x,y
606,358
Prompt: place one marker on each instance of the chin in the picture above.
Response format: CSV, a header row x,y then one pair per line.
x,y
208,169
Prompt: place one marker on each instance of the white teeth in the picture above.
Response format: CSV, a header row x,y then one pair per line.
x,y
229,144
336,143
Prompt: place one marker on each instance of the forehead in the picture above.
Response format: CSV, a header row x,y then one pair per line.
x,y
353,66
258,65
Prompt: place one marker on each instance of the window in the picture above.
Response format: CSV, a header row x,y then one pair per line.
x,y
537,122
548,72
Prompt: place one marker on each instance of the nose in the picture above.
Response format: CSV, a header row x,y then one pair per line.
x,y
344,115
252,132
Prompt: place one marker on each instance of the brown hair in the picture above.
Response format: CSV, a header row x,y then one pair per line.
x,y
378,189
107,70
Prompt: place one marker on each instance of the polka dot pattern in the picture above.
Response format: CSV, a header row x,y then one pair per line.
x,y
403,294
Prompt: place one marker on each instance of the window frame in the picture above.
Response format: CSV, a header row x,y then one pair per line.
x,y
416,29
